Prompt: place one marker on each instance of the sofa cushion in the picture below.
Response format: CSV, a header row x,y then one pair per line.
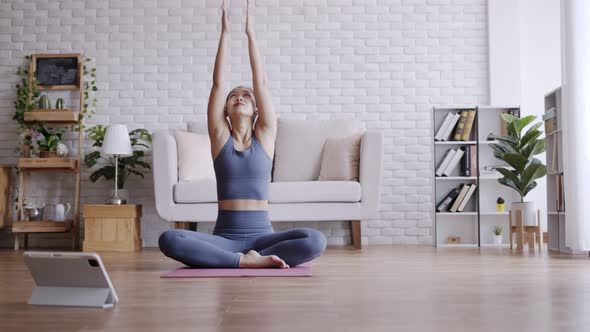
x,y
340,159
314,191
205,191
201,191
194,156
299,145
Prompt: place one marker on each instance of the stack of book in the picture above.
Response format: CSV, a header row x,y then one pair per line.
x,y
457,124
465,156
457,198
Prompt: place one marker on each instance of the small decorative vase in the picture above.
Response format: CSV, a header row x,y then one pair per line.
x,y
48,154
59,104
44,102
497,239
500,207
62,150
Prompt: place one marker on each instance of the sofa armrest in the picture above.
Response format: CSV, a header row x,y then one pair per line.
x,y
165,164
371,172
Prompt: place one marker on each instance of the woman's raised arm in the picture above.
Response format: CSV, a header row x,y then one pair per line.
x,y
266,117
216,122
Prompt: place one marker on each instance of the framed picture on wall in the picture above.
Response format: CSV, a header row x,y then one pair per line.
x,y
56,71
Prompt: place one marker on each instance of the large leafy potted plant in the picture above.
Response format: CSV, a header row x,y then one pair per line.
x,y
127,166
518,151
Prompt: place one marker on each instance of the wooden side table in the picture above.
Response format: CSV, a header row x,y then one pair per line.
x,y
112,227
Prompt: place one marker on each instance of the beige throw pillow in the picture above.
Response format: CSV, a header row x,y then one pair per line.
x,y
299,144
340,159
194,156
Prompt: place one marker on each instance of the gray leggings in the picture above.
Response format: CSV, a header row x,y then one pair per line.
x,y
240,231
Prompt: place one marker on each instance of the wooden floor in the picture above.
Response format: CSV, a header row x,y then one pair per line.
x,y
383,288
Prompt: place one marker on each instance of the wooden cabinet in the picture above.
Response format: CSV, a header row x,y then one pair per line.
x,y
112,227
5,197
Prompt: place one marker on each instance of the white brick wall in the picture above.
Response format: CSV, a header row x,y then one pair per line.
x,y
384,62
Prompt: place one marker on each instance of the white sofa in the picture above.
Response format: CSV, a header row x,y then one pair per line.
x,y
294,193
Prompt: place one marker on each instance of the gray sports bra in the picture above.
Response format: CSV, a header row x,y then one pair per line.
x,y
242,174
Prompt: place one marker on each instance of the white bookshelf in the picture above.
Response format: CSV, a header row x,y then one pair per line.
x,y
474,224
556,216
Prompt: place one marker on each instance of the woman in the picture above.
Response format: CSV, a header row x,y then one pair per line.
x,y
243,236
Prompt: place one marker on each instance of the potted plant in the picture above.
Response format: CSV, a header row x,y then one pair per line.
x,y
497,230
48,142
500,204
132,165
518,151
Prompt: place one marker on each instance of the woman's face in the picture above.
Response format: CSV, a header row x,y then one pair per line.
x,y
241,100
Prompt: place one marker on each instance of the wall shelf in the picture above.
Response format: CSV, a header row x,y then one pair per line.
x,y
454,142
48,163
66,117
41,226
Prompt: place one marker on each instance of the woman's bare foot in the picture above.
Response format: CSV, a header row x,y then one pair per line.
x,y
252,259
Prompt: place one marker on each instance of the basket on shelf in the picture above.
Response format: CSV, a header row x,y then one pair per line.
x,y
48,154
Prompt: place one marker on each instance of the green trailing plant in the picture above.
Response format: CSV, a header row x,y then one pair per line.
x,y
132,165
27,93
497,230
518,151
89,98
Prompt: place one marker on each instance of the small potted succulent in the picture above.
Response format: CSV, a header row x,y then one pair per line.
x,y
497,230
500,204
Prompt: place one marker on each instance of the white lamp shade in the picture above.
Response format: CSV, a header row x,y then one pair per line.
x,y
116,141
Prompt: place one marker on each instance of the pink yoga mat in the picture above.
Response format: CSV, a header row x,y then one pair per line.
x,y
302,270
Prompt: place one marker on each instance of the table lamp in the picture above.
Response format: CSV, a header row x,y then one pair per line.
x,y
117,143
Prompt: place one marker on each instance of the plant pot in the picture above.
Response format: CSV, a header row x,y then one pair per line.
x,y
500,207
48,154
497,239
529,213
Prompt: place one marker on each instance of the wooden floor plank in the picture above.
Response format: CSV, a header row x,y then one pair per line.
x,y
380,288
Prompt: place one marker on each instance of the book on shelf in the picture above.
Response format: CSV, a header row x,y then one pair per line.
x,y
466,161
463,188
451,126
443,127
454,162
473,160
445,162
449,198
550,118
468,195
468,125
460,126
560,203
503,125
554,154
